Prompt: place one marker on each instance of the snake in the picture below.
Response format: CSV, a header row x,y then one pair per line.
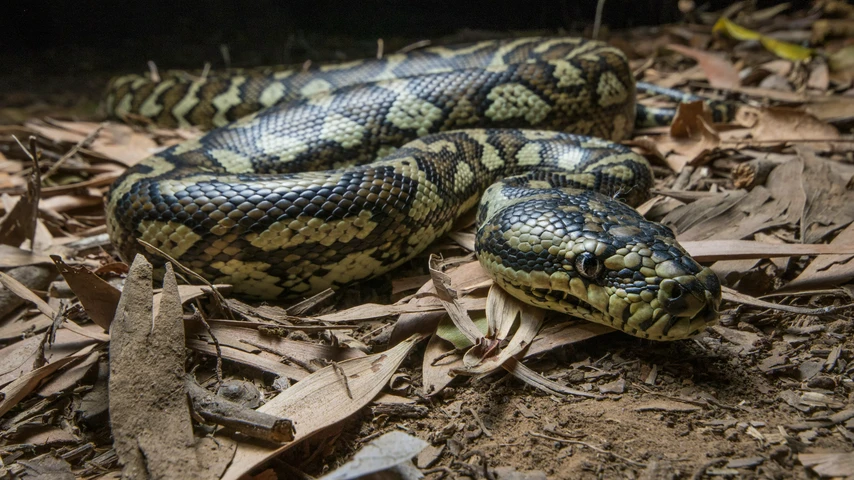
x,y
309,179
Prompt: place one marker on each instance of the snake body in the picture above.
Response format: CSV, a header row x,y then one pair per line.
x,y
249,203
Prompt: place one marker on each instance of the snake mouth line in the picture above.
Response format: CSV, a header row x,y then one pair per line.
x,y
662,325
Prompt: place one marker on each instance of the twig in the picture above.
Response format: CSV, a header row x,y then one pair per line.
x,y
73,151
153,74
480,423
591,447
380,48
340,372
597,21
414,46
223,305
226,55
247,421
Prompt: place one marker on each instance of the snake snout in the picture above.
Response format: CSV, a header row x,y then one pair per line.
x,y
693,297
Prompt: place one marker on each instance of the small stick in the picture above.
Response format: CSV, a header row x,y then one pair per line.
x,y
253,423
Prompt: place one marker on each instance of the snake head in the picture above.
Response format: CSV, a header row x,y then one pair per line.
x,y
593,257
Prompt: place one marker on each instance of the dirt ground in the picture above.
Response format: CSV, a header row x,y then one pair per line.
x,y
764,198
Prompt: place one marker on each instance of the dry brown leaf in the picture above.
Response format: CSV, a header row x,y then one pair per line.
x,y
248,337
450,300
565,332
714,250
720,72
372,310
15,257
115,141
830,269
22,357
23,385
534,379
691,138
261,361
502,310
731,295
322,399
829,464
70,377
20,223
830,200
98,297
771,125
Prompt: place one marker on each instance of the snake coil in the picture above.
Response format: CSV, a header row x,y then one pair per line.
x,y
413,141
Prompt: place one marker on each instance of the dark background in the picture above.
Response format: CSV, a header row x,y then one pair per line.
x,y
87,35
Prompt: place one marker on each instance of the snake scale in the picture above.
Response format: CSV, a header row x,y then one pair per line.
x,y
525,127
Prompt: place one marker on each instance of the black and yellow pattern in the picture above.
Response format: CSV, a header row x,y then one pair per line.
x,y
245,204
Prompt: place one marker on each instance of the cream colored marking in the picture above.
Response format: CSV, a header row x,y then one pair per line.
x,y
385,151
498,57
619,171
290,233
567,74
577,288
513,100
186,104
172,238
530,154
314,87
445,52
611,90
286,148
233,162
341,129
490,157
150,107
391,62
248,277
409,112
272,94
570,159
545,45
284,74
622,128
598,297
223,102
123,106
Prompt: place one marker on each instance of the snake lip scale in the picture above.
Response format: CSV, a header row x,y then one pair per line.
x,y
318,179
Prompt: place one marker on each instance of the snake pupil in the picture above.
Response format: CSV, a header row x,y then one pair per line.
x,y
588,265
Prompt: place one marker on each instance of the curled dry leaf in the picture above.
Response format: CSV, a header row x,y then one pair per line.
x,y
691,138
322,399
98,297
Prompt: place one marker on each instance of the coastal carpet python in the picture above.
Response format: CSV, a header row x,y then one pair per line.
x,y
522,127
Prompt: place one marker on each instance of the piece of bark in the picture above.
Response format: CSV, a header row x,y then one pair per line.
x,y
149,411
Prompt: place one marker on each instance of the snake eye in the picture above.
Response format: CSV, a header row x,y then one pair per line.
x,y
588,265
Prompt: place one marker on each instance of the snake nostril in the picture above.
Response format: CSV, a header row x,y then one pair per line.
x,y
677,292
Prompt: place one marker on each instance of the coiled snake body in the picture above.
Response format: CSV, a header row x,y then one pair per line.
x,y
249,204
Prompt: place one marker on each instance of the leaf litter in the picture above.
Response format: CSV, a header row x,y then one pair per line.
x,y
498,386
